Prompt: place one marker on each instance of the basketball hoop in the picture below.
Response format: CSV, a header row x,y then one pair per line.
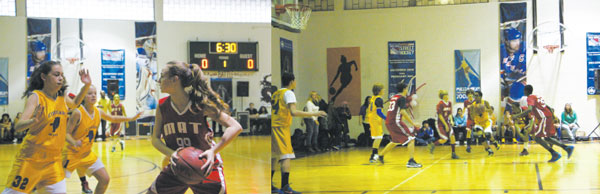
x,y
299,15
548,36
72,60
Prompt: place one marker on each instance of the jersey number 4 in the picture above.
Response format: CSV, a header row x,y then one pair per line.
x,y
20,182
275,104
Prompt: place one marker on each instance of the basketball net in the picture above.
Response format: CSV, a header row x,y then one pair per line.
x,y
71,52
299,15
549,37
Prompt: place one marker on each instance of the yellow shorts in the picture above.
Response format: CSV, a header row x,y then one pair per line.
x,y
376,131
281,143
25,175
73,162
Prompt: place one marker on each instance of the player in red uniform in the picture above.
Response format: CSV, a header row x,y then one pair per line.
x,y
400,133
545,127
468,109
117,109
445,122
181,122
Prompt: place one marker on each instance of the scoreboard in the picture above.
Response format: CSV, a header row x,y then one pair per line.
x,y
224,56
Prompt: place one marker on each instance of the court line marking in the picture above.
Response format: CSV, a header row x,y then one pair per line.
x,y
450,190
537,170
413,176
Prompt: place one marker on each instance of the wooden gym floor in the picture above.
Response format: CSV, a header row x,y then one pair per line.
x,y
348,171
246,165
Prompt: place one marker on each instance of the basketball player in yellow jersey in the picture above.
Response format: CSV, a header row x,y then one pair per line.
x,y
376,117
38,162
482,122
81,130
283,108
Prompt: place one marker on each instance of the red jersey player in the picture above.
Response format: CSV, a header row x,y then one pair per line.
x,y
445,121
401,134
181,122
544,126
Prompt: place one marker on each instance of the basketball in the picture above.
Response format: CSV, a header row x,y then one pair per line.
x,y
331,91
186,165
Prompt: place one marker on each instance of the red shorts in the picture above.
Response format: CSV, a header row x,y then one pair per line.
x,y
167,182
442,131
543,127
114,129
400,134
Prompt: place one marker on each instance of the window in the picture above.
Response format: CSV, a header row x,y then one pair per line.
x,y
380,4
92,9
8,8
243,11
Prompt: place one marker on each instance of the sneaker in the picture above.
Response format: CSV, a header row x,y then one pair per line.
x,y
85,188
497,146
555,157
113,149
454,156
275,189
503,141
431,147
311,150
468,149
122,145
374,158
317,149
490,152
524,153
288,190
413,164
514,140
381,159
569,150
336,148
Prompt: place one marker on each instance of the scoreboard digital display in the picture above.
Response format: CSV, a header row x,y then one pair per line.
x,y
224,56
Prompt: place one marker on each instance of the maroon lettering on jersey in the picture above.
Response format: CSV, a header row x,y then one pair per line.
x,y
397,102
445,110
117,109
185,128
539,107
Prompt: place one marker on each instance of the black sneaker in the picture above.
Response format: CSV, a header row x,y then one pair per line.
x,y
524,153
497,146
288,190
374,158
468,149
454,156
413,164
122,145
381,159
85,188
275,189
490,152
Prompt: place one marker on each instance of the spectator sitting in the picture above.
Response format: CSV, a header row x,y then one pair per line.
x,y
425,135
5,127
460,126
253,122
569,122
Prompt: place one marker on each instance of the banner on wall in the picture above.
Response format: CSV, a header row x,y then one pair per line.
x,y
593,62
38,43
3,81
466,73
146,65
113,68
224,88
513,59
401,64
343,77
287,57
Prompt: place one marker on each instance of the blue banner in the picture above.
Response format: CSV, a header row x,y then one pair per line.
x,y
113,68
402,65
513,60
146,65
593,62
466,64
287,55
38,43
3,81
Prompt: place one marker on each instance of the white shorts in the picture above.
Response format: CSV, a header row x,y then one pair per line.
x,y
486,130
95,167
60,187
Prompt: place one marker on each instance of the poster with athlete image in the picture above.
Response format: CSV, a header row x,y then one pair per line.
x,y
343,77
287,55
466,72
38,43
146,65
224,88
513,59
3,81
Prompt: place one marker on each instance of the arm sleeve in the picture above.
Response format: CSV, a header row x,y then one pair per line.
x,y
380,113
379,105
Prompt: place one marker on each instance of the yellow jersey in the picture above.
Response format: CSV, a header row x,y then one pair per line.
x,y
48,143
374,119
281,115
484,119
86,131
